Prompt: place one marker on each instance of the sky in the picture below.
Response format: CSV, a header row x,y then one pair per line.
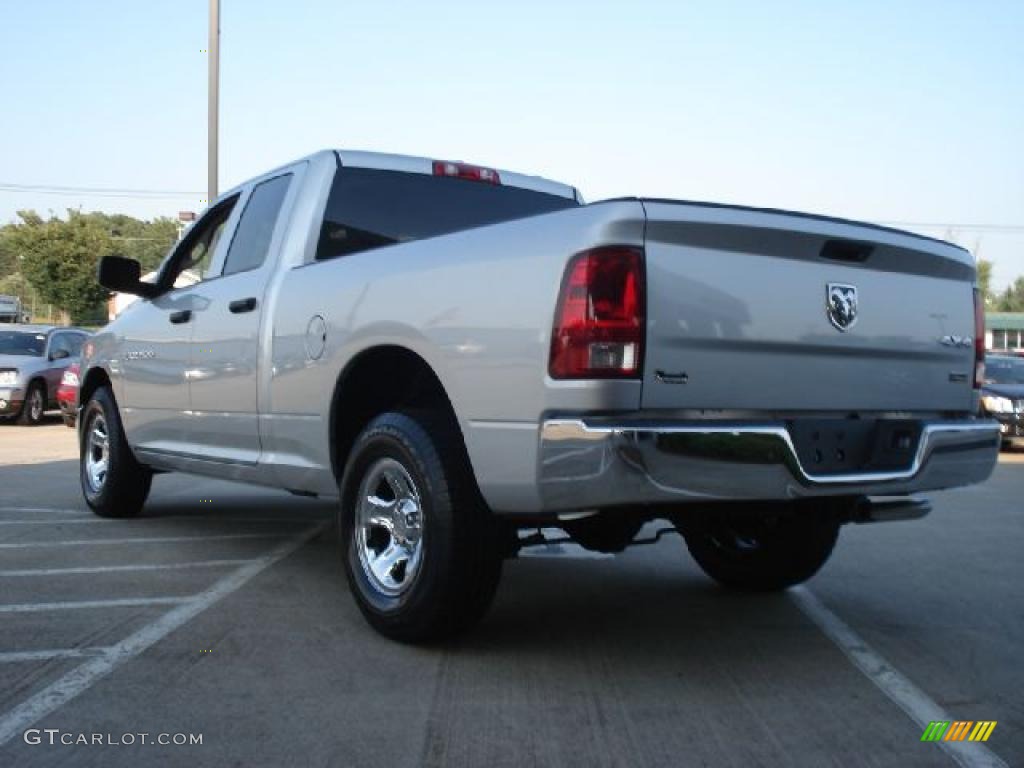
x,y
905,112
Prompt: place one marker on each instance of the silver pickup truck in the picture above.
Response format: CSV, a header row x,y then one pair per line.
x,y
463,355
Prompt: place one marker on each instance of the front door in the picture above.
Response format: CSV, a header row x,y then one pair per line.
x,y
226,354
157,335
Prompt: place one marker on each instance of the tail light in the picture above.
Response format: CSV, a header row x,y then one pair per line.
x,y
599,323
979,339
466,171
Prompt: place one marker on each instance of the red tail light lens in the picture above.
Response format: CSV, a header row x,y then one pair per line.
x,y
598,331
979,339
466,171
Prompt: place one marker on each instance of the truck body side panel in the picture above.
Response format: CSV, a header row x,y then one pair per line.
x,y
477,306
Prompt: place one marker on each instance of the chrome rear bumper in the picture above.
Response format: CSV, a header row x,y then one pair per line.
x,y
596,463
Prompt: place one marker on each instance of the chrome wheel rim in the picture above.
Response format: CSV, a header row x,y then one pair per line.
x,y
35,405
389,527
97,453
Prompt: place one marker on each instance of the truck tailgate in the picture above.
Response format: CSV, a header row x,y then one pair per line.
x,y
737,314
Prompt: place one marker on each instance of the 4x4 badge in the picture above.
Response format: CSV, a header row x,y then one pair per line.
x,y
841,305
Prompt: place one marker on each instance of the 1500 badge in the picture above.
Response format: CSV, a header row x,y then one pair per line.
x,y
139,354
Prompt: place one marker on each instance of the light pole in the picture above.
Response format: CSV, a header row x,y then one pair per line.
x,y
213,104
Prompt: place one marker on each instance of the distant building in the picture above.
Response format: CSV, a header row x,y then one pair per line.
x,y
1004,332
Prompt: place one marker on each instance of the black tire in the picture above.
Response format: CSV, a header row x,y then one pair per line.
x,y
123,489
34,406
456,570
764,554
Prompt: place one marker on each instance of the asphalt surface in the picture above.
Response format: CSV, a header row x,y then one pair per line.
x,y
223,612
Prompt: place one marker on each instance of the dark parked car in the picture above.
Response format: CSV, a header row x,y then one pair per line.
x,y
67,395
33,359
1002,395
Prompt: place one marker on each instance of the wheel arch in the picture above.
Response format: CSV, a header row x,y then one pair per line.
x,y
95,378
360,394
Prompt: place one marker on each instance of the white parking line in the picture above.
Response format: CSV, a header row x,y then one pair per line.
x,y
132,567
83,604
140,540
174,518
58,653
70,685
907,696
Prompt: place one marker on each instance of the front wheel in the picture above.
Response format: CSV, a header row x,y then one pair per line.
x,y
763,554
113,482
34,406
419,547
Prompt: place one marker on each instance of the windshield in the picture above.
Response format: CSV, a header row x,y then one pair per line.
x,y
21,343
1004,370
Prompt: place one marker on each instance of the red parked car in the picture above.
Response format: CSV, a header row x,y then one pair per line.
x,y
67,394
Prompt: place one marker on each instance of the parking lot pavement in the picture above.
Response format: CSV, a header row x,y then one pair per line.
x,y
223,612
51,441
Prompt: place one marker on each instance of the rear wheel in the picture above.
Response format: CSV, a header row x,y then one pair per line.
x,y
113,482
419,547
764,554
34,406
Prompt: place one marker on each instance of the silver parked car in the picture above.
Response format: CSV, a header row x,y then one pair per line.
x,y
32,360
461,355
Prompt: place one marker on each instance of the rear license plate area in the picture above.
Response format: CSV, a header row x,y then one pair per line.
x,y
842,446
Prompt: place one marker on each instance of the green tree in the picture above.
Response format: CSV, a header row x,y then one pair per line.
x,y
8,255
985,281
59,257
1012,298
145,241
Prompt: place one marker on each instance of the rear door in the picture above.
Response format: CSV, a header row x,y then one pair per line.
x,y
225,356
761,310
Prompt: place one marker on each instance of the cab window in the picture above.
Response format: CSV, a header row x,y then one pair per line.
x,y
75,342
60,346
251,241
190,262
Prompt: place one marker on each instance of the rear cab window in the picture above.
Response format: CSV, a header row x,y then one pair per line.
x,y
369,208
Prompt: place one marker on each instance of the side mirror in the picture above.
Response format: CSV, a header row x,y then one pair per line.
x,y
59,354
122,275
